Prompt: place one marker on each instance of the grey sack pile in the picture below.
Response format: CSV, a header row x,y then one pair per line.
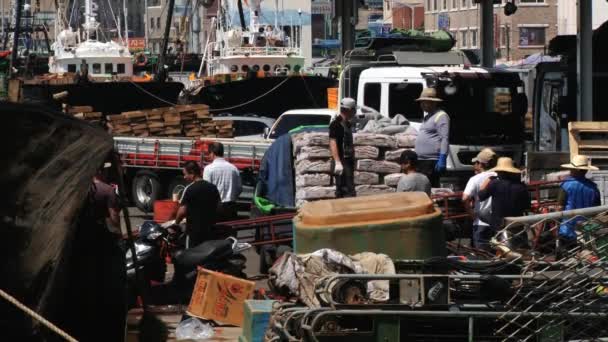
x,y
377,164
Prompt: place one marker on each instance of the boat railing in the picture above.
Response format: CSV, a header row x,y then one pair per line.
x,y
262,50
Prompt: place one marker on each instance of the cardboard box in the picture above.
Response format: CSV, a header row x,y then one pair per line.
x,y
220,297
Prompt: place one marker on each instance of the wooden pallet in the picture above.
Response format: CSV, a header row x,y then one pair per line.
x,y
589,139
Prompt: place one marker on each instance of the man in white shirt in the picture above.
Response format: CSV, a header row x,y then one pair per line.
x,y
227,178
482,233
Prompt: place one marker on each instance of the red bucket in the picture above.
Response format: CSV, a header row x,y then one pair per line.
x,y
165,210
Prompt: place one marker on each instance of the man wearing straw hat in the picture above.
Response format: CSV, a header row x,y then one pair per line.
x,y
577,192
510,197
433,137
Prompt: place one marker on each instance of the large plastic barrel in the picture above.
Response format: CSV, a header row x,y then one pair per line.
x,y
402,225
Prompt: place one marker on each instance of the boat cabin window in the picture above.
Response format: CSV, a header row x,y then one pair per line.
x,y
371,95
71,67
266,67
109,68
296,68
402,100
96,68
234,68
256,68
287,66
245,68
121,68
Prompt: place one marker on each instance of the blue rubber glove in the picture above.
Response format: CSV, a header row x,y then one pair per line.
x,y
441,163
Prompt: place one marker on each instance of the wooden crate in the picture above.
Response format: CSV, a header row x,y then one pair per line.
x,y
589,139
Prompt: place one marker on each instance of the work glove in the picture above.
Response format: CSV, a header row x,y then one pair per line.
x,y
441,163
338,169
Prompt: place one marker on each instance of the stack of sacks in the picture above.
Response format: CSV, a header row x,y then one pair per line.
x,y
377,163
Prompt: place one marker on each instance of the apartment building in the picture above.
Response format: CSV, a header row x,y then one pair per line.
x,y
524,33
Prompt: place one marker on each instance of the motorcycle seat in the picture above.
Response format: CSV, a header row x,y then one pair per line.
x,y
208,250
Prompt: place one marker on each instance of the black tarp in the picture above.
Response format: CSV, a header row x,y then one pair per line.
x,y
47,163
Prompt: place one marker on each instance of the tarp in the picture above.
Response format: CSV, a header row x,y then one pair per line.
x,y
276,178
48,160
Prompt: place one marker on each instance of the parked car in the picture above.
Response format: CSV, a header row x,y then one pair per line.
x,y
248,127
300,117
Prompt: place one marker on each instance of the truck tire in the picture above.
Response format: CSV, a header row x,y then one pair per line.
x,y
176,182
145,190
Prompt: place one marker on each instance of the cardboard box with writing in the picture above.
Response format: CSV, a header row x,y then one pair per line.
x,y
220,297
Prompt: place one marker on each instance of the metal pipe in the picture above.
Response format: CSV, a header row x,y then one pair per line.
x,y
584,66
487,33
146,24
556,215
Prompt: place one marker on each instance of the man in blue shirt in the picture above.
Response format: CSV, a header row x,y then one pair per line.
x,y
577,192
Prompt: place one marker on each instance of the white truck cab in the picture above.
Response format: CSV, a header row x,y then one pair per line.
x,y
483,104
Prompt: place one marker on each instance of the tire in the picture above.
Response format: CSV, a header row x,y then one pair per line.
x,y
145,190
178,181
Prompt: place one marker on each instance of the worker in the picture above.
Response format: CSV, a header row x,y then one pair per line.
x,y
480,210
342,149
412,180
510,198
105,202
227,178
99,258
198,205
576,192
432,142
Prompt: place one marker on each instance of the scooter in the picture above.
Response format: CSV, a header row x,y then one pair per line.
x,y
156,244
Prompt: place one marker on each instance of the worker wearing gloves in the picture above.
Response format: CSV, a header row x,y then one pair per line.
x,y
342,148
433,137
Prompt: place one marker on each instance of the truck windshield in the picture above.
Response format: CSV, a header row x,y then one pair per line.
x,y
288,122
482,115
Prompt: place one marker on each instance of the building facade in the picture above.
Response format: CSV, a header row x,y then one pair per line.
x,y
524,33
567,16
404,14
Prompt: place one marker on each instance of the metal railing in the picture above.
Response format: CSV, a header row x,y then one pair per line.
x,y
261,51
578,241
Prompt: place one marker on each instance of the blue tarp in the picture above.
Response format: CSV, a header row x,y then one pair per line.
x,y
276,177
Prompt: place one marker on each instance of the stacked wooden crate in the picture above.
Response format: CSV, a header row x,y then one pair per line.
x,y
85,113
177,121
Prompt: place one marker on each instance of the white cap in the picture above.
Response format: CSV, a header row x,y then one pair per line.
x,y
348,103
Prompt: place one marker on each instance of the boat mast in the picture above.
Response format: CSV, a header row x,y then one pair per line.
x,y
90,21
126,14
17,29
241,15
160,68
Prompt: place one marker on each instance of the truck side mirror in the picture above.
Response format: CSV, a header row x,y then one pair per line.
x,y
520,104
266,132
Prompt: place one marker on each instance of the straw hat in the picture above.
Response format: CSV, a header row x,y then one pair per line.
x,y
429,94
580,162
505,164
484,156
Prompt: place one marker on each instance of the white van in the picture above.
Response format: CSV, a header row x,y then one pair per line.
x,y
485,105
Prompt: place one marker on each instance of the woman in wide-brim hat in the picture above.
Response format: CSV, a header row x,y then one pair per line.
x,y
432,143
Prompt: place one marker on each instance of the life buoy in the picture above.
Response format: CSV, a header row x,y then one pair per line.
x,y
141,60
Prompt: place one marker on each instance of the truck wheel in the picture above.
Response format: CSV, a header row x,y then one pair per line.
x,y
145,190
178,183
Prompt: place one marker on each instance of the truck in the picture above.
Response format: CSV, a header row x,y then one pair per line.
x,y
154,164
486,106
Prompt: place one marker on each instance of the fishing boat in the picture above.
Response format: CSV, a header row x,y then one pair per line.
x,y
89,71
256,67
